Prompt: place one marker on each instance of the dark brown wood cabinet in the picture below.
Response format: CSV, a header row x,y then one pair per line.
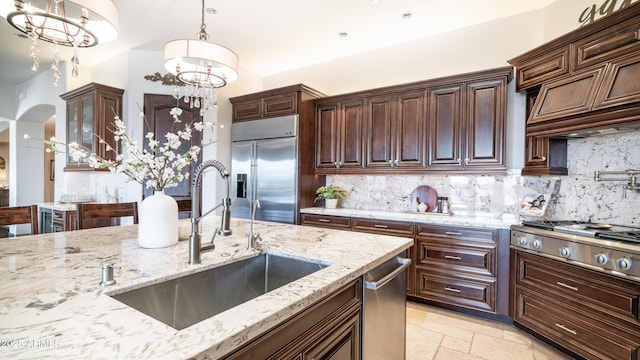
x,y
457,266
460,268
91,110
588,313
289,100
586,79
330,329
252,108
543,155
450,124
467,125
395,131
339,130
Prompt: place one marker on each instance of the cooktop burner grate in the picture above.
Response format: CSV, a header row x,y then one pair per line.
x,y
550,224
627,236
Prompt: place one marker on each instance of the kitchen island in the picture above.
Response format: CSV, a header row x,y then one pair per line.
x,y
52,305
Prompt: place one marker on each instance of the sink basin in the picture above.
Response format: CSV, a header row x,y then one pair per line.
x,y
184,301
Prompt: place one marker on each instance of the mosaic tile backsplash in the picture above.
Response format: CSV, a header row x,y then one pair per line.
x,y
576,196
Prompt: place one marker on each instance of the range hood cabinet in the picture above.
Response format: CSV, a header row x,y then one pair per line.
x,y
594,101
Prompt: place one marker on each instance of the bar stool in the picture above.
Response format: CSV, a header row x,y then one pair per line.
x,y
94,215
17,215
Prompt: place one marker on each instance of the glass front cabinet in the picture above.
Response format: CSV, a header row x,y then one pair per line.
x,y
91,112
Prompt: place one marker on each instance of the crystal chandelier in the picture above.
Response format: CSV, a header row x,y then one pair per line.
x,y
202,66
77,24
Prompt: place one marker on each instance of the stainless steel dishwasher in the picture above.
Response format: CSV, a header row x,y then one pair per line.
x,y
384,319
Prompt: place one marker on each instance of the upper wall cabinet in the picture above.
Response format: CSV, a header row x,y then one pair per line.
x,y
587,79
91,110
449,124
271,103
339,135
395,131
467,125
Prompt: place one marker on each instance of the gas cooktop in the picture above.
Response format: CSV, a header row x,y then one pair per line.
x,y
593,230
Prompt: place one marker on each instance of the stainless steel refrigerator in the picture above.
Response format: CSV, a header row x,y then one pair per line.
x,y
264,168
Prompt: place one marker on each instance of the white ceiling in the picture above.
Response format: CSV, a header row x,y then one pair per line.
x,y
269,36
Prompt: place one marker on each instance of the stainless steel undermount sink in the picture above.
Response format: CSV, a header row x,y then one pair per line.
x,y
184,301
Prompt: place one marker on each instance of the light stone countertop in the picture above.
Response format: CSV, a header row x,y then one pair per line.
x,y
489,221
52,307
57,206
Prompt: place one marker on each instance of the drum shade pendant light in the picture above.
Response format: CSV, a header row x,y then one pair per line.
x,y
203,66
77,24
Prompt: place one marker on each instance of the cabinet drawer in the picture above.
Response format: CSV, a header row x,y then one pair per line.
x,y
456,233
574,329
334,222
614,296
457,290
279,105
605,45
385,227
445,255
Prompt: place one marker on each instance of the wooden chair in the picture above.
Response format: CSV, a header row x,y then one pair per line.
x,y
93,215
20,215
184,208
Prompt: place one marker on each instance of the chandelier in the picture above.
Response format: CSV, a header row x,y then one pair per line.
x,y
202,66
77,24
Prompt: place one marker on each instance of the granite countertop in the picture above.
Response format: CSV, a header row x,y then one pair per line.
x,y
52,307
57,206
488,221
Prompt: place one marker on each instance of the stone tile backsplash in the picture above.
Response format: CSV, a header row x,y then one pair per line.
x,y
576,196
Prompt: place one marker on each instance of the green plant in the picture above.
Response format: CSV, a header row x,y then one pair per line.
x,y
330,192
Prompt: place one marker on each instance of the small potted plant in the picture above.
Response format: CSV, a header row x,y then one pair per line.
x,y
330,194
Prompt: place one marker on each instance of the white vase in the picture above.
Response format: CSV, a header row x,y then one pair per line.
x,y
331,203
158,221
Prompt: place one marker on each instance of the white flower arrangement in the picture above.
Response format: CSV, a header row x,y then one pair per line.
x,y
158,166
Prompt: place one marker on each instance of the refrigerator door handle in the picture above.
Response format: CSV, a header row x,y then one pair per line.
x,y
375,285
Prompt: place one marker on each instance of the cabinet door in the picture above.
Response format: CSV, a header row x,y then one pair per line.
x,y
409,130
616,89
378,131
326,136
338,344
73,123
485,123
279,105
247,110
611,43
350,135
445,126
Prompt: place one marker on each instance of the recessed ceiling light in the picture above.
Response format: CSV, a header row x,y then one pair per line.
x,y
211,11
407,15
374,2
343,34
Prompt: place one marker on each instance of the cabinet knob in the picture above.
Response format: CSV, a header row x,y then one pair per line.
x,y
391,163
458,160
544,158
466,161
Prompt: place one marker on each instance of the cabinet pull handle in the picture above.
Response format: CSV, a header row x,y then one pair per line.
x,y
324,220
452,257
453,233
452,289
567,286
380,226
566,329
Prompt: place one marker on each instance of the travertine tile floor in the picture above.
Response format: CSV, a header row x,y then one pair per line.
x,y
439,334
